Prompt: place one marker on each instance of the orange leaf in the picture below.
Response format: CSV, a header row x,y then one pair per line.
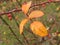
x,y
36,13
39,29
21,25
25,7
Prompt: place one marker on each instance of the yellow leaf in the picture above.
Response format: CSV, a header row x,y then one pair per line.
x,y
21,25
25,7
39,29
59,35
58,8
36,13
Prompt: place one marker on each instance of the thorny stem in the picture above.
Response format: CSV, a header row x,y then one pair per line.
x,y
12,31
17,10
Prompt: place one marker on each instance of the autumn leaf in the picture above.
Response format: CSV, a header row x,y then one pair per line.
x,y
21,25
58,8
39,29
58,35
36,14
25,7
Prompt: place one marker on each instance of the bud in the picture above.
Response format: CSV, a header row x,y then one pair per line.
x,y
50,0
43,5
9,16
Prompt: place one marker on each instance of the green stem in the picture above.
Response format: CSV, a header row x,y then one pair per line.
x,y
11,30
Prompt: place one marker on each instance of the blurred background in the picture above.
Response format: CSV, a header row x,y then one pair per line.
x,y
51,19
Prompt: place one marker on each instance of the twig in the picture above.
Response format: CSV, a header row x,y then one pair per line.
x,y
26,39
17,10
14,10
12,31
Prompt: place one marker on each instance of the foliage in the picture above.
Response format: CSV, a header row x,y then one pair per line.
x,y
35,24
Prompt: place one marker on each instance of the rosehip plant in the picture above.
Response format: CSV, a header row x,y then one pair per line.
x,y
37,27
40,29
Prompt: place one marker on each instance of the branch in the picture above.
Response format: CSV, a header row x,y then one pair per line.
x,y
14,10
11,31
17,10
